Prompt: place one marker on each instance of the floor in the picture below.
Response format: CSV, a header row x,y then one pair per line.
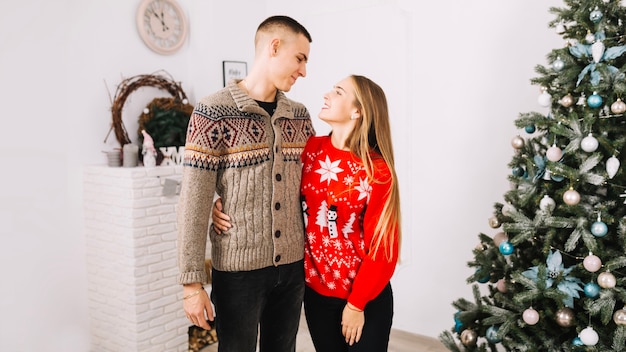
x,y
399,341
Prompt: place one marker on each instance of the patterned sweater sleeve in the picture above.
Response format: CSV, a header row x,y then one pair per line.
x,y
374,273
195,202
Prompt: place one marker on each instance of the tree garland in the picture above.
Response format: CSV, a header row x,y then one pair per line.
x,y
177,106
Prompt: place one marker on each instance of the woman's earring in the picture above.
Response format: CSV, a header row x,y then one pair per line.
x,y
353,116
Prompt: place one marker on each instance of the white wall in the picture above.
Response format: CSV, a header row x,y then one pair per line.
x,y
456,74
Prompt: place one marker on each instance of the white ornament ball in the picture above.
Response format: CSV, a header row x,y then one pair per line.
x,y
612,166
547,204
590,38
530,316
554,153
544,99
589,143
571,197
589,336
558,64
592,263
508,209
606,280
618,107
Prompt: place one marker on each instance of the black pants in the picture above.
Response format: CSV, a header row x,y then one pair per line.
x,y
323,316
266,301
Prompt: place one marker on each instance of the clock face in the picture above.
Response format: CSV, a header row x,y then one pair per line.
x,y
162,25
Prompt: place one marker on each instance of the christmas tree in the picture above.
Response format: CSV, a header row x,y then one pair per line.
x,y
552,275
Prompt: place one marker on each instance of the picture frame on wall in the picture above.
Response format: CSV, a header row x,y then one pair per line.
x,y
234,69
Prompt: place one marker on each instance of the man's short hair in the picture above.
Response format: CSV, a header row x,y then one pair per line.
x,y
285,22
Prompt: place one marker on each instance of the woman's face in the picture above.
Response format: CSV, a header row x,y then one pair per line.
x,y
339,103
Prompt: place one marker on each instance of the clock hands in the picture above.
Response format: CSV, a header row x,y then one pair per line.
x,y
161,19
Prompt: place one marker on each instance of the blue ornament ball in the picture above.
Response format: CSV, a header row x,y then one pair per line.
x,y
517,171
484,279
592,290
594,100
506,247
577,341
556,178
530,129
458,325
492,334
599,229
595,16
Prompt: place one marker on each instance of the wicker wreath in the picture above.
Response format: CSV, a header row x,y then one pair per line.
x,y
161,80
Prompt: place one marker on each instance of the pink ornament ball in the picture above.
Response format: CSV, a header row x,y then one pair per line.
x,y
592,263
530,316
501,286
499,238
571,197
554,153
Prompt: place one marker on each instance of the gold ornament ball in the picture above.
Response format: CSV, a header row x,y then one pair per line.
x,y
494,222
567,101
517,142
618,107
469,337
565,317
606,280
619,317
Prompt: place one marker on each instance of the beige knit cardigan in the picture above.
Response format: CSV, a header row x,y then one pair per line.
x,y
252,161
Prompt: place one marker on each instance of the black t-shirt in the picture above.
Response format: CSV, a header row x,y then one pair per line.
x,y
269,107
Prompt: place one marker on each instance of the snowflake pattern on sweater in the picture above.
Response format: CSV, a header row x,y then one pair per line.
x,y
340,208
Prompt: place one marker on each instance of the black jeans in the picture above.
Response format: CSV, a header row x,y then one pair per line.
x,y
267,300
323,316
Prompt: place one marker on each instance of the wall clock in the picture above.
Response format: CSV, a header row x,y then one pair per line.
x,y
162,25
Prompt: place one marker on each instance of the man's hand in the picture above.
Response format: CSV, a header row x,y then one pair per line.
x,y
197,305
221,221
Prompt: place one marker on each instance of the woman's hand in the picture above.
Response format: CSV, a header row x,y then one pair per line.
x,y
221,221
197,305
352,321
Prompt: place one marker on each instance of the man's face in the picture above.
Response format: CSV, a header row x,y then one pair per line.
x,y
289,61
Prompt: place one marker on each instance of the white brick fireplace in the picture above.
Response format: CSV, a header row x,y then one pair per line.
x,y
130,223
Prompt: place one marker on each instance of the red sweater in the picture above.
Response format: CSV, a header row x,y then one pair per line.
x,y
341,207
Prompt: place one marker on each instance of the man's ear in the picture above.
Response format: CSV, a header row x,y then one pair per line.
x,y
274,44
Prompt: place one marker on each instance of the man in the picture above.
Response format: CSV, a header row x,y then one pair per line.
x,y
244,143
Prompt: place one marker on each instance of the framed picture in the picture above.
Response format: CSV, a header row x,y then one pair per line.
x,y
234,69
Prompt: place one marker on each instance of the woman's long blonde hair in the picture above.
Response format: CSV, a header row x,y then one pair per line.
x,y
372,132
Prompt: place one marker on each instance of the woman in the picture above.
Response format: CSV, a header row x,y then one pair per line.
x,y
351,208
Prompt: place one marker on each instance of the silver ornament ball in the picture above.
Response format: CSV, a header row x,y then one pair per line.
x,y
565,317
